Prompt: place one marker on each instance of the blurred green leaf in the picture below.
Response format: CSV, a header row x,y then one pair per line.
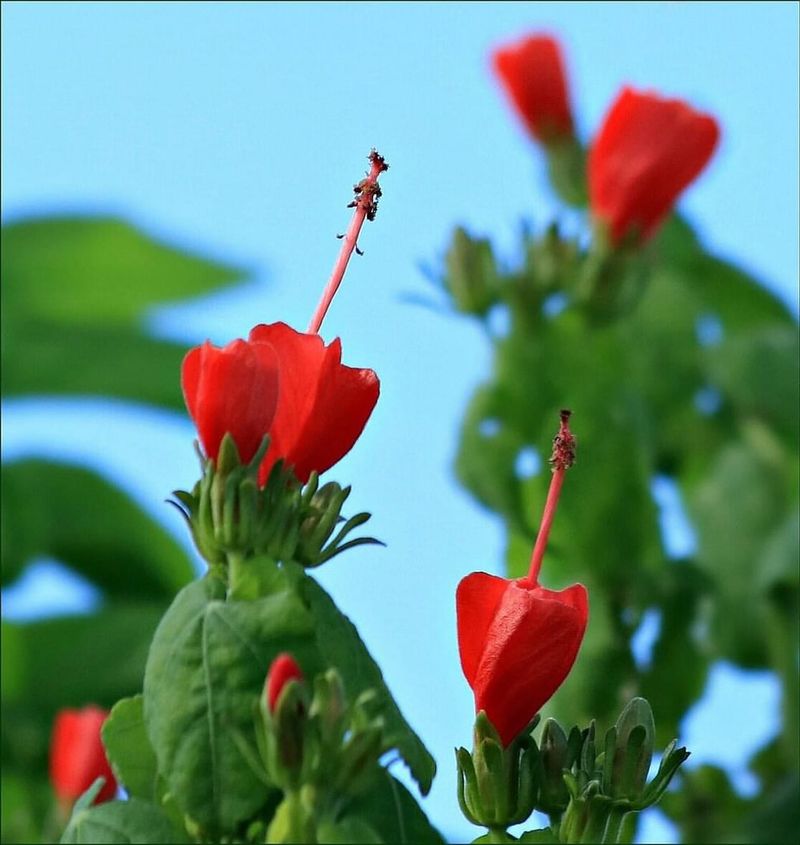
x,y
69,662
678,668
350,830
131,822
760,373
206,668
543,836
26,808
390,809
737,299
340,645
71,514
128,749
738,508
706,808
75,294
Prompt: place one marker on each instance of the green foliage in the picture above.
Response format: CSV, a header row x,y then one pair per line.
x,y
689,374
132,822
390,809
340,645
128,749
75,295
67,662
207,665
54,510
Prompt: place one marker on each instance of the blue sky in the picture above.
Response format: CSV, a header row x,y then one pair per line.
x,y
237,130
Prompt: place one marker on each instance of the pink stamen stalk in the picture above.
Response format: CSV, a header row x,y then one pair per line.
x,y
367,193
562,459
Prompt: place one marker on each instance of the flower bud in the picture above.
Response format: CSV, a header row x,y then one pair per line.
x,y
284,669
77,755
534,77
629,751
471,277
648,150
497,785
554,754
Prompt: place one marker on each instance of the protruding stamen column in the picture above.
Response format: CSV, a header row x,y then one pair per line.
x,y
367,193
561,460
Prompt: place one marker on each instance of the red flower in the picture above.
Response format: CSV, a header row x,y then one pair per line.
x,y
284,668
77,756
517,643
647,151
532,72
283,383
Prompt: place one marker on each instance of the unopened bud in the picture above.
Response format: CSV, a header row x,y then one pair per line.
x,y
631,753
284,668
471,274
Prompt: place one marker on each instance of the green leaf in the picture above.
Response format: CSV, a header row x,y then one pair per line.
x,y
69,662
390,809
340,646
543,835
122,823
128,749
760,373
733,296
487,455
71,514
26,808
676,675
206,668
347,831
707,807
739,506
75,294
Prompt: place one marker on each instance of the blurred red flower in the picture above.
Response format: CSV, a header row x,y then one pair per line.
x,y
283,669
77,756
647,151
284,383
517,642
533,75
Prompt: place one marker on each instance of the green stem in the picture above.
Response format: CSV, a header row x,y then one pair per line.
x,y
614,827
237,576
595,829
496,834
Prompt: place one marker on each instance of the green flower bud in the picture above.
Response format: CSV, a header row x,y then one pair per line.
x,y
497,786
629,751
471,274
554,753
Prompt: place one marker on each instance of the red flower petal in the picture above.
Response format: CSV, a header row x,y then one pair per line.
x,y
323,405
234,389
647,151
77,756
477,599
533,75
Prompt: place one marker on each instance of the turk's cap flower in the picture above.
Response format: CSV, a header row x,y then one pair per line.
x,y
517,643
648,150
533,75
281,383
77,755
